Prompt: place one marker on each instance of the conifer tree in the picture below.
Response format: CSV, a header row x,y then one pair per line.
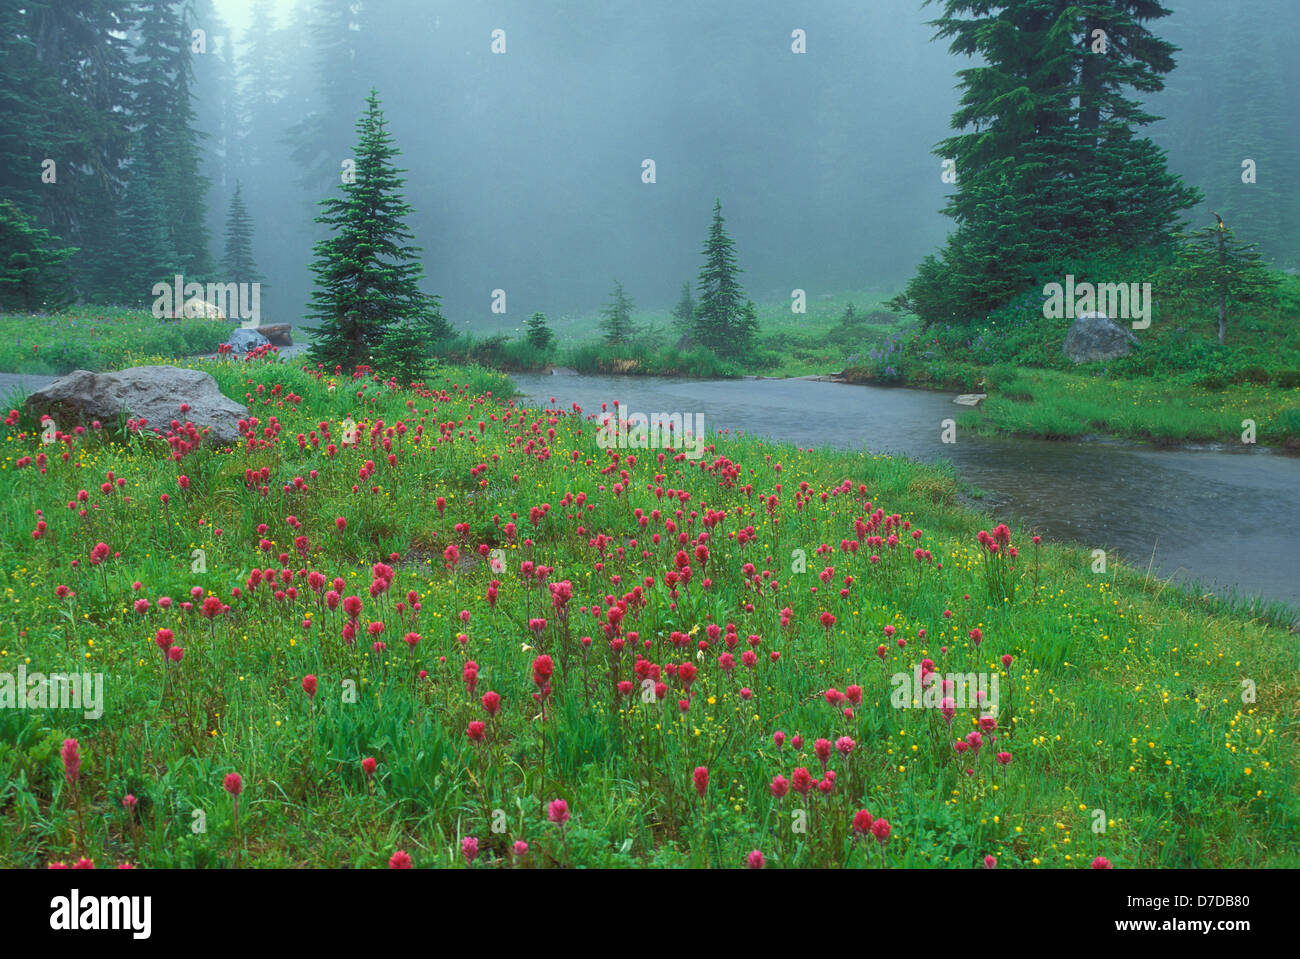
x,y
336,29
238,262
406,352
367,276
149,256
1217,269
64,98
166,138
540,336
33,272
617,325
725,321
684,311
1048,159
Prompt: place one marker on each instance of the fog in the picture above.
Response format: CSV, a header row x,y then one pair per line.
x,y
525,166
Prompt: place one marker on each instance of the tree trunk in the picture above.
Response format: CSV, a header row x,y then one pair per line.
x,y
1223,292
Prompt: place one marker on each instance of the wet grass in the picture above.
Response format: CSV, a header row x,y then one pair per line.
x,y
1141,724
93,338
1056,405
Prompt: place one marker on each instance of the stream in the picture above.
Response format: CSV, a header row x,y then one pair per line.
x,y
1228,519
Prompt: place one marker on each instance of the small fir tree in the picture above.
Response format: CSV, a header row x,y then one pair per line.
x,y
617,325
367,276
539,336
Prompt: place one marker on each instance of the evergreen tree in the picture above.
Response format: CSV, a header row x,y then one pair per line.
x,y
540,336
367,278
264,115
1049,165
33,271
336,28
148,257
64,98
238,263
1214,268
724,321
276,81
216,96
166,138
684,311
405,352
617,325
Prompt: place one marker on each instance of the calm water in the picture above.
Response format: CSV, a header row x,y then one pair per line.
x,y
1225,518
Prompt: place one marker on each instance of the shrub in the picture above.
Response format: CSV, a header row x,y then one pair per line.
x,y
1256,375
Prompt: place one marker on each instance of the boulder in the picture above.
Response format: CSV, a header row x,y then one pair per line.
x,y
246,340
197,308
1094,337
152,393
280,334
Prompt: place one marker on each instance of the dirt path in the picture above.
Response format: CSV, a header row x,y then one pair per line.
x,y
12,383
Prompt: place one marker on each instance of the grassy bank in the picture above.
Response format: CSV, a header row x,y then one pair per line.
x,y
93,338
817,341
382,627
1177,385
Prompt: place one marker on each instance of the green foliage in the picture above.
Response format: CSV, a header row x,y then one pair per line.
x,y
367,277
166,143
405,352
724,321
1076,645
150,257
540,336
65,97
33,267
617,326
1049,166
684,311
97,338
238,262
1215,269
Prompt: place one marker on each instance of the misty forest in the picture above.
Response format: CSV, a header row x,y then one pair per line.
x,y
696,434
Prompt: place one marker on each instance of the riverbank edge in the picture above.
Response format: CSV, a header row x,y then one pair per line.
x,y
1216,443
1223,441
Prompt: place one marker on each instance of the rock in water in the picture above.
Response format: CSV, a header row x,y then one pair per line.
x,y
246,340
1094,337
154,393
278,333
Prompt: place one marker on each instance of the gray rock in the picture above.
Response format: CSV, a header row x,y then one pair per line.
x,y
1094,337
278,333
154,393
246,340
